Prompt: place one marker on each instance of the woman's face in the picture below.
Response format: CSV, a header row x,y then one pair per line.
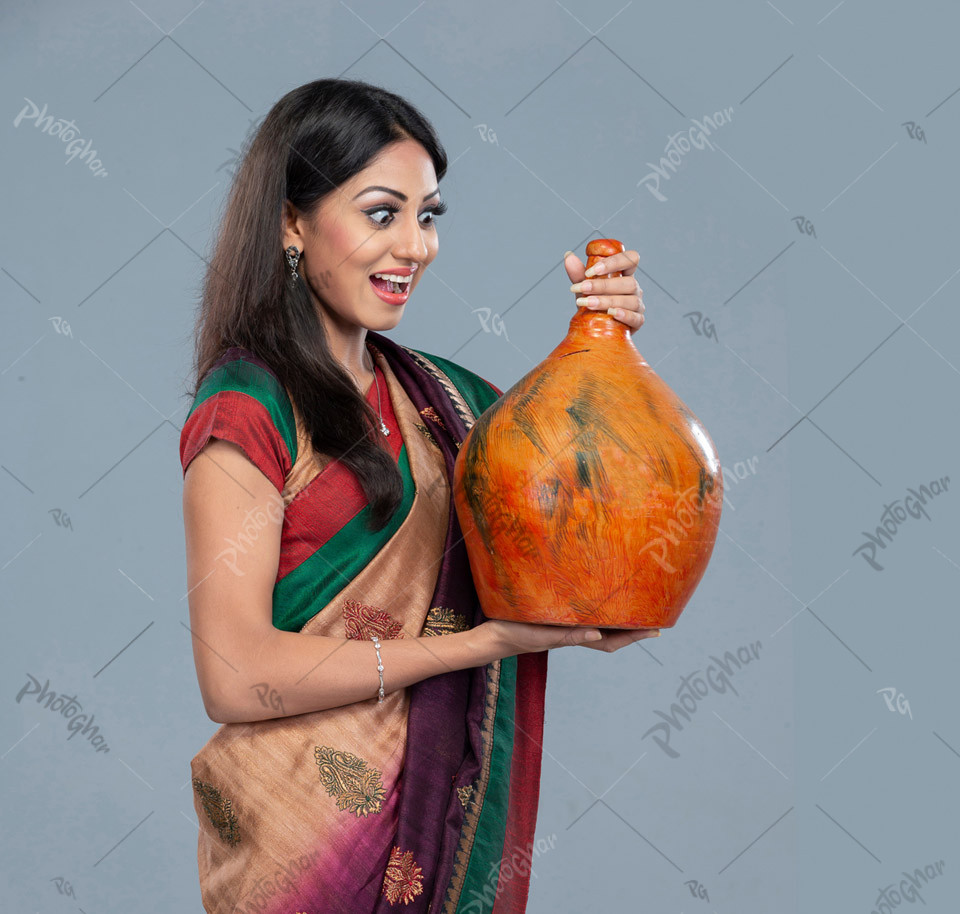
x,y
380,221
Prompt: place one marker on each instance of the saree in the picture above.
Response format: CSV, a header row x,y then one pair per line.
x,y
426,802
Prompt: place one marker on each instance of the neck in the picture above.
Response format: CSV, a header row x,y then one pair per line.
x,y
351,352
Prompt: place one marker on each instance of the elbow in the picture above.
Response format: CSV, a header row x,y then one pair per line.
x,y
223,700
218,710
222,707
216,715
214,711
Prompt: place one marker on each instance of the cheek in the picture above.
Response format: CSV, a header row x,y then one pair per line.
x,y
335,245
334,242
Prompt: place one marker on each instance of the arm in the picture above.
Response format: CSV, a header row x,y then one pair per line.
x,y
235,643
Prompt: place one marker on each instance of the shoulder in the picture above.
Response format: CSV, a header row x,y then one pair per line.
x,y
469,383
242,400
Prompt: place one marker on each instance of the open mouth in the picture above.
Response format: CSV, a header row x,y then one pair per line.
x,y
390,291
388,285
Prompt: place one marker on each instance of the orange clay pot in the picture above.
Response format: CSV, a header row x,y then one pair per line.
x,y
589,494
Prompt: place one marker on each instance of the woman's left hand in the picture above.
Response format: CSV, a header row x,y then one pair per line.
x,y
619,296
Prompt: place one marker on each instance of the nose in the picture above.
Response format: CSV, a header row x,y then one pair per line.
x,y
410,243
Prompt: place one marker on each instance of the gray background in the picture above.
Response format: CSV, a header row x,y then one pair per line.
x,y
818,236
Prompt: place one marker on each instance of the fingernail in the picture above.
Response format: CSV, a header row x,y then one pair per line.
x,y
566,254
593,636
589,300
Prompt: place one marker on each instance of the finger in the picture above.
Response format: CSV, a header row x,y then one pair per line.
x,y
625,262
613,641
633,258
633,319
615,285
629,637
582,635
574,266
626,310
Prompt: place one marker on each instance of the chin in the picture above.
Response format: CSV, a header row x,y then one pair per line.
x,y
386,323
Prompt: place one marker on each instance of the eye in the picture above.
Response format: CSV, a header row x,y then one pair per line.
x,y
381,209
438,209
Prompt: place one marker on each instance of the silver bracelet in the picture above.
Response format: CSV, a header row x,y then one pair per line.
x,y
376,644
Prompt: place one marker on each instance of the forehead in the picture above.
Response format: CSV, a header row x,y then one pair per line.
x,y
403,165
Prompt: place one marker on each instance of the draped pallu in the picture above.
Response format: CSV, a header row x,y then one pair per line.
x,y
412,804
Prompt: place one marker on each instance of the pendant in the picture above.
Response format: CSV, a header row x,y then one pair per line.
x,y
383,427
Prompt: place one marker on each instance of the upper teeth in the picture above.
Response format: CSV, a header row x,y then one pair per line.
x,y
393,277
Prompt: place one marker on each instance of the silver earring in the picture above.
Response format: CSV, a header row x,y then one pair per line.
x,y
293,258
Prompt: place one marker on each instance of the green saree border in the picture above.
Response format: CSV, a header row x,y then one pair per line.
x,y
348,552
479,853
483,870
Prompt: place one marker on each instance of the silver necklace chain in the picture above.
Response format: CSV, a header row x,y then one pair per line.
x,y
383,425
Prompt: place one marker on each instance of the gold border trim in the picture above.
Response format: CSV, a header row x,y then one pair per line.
x,y
468,831
471,818
459,403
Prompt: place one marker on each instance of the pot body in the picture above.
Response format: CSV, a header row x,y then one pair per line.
x,y
588,494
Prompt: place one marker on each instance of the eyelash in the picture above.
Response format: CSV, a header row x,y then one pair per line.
x,y
438,210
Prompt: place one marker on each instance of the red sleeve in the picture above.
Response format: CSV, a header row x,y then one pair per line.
x,y
243,419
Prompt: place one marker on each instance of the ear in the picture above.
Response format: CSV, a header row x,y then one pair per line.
x,y
290,226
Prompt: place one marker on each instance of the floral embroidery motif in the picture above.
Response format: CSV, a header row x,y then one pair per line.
x,y
219,810
465,793
442,621
403,880
357,787
362,621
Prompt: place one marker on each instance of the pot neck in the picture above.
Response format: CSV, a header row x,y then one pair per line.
x,y
587,323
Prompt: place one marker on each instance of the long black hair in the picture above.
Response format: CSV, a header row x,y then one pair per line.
x,y
312,140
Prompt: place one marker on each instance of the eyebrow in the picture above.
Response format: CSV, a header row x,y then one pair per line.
x,y
396,193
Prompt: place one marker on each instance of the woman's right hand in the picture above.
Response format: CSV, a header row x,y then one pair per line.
x,y
512,638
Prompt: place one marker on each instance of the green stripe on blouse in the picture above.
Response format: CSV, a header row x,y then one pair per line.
x,y
309,587
248,378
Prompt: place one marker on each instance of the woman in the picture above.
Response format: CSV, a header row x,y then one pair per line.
x,y
392,760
